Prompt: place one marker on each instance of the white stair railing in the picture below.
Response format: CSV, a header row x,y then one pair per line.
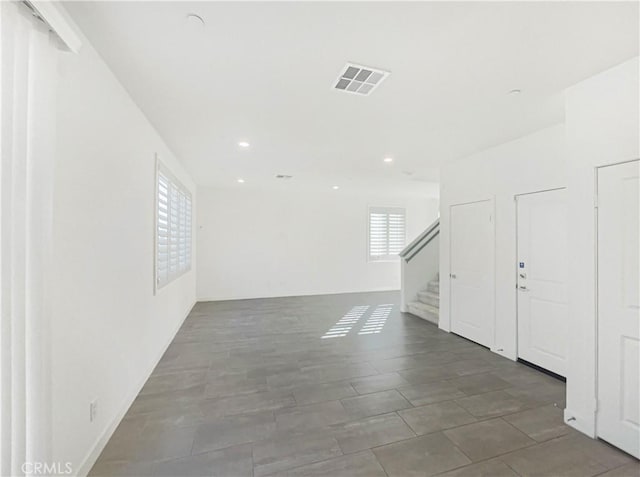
x,y
420,263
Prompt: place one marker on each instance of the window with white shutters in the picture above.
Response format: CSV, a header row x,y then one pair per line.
x,y
386,233
173,228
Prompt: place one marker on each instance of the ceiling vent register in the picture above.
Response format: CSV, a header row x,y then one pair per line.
x,y
358,79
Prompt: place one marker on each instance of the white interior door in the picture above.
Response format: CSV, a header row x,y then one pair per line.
x,y
542,268
618,415
472,271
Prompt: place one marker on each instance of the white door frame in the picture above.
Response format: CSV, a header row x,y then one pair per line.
x,y
492,272
597,282
515,264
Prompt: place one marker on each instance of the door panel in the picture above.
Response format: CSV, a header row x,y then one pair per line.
x,y
542,279
472,271
618,417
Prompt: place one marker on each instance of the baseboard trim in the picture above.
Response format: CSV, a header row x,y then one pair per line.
x,y
580,423
90,460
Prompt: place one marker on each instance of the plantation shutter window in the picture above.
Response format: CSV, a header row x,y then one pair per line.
x,y
387,233
173,228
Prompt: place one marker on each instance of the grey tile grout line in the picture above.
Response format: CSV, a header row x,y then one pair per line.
x,y
407,424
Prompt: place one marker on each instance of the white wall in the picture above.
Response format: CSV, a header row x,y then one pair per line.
x,y
602,128
264,243
109,329
532,163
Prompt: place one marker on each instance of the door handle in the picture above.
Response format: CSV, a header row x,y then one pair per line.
x,y
523,288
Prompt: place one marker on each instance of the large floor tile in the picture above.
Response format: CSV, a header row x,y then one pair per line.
x,y
429,393
488,468
436,417
427,374
315,393
486,439
552,391
541,424
161,443
565,456
493,404
362,464
467,367
380,382
631,469
287,450
233,384
420,456
163,383
244,403
399,363
311,416
376,403
223,432
163,402
480,383
371,432
233,461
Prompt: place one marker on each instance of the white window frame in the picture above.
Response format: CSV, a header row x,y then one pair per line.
x,y
393,257
182,234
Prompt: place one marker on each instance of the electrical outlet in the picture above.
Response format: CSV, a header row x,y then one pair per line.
x,y
93,410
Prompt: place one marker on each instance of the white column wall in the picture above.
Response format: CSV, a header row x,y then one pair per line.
x,y
602,128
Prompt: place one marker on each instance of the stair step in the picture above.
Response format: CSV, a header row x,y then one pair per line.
x,y
434,286
429,298
421,310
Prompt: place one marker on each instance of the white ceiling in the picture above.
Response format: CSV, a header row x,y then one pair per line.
x,y
263,72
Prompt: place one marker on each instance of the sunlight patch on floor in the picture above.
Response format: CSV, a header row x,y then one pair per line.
x,y
377,320
348,321
374,324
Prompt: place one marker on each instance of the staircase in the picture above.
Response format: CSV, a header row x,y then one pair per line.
x,y
421,262
428,305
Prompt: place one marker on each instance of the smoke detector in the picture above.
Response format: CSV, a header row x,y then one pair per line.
x,y
359,79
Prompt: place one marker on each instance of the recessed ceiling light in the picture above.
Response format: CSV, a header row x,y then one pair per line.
x,y
514,92
241,181
335,187
195,20
388,159
244,144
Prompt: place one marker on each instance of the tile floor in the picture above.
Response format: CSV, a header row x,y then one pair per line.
x,y
311,386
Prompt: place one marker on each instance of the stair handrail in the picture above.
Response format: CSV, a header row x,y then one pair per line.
x,y
421,241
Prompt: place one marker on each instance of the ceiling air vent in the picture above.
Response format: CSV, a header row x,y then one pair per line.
x,y
283,176
360,79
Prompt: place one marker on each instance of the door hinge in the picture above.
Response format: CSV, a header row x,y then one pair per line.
x,y
595,201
